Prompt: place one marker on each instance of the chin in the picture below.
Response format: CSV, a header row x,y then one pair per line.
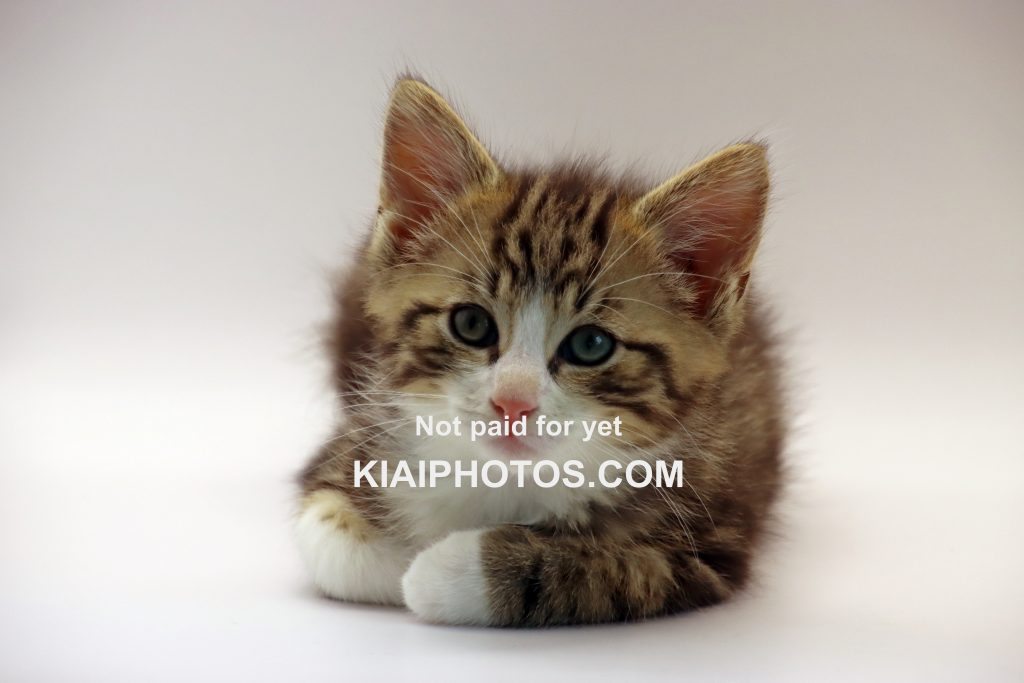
x,y
512,447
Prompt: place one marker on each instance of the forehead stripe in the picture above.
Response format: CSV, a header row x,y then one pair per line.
x,y
412,315
599,224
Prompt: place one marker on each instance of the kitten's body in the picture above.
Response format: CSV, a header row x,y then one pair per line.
x,y
693,377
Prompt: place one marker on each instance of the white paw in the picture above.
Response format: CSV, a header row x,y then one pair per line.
x,y
446,584
343,560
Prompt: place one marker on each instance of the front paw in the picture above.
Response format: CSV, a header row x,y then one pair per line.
x,y
446,583
346,558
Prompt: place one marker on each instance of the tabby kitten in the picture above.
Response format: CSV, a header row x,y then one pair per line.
x,y
486,291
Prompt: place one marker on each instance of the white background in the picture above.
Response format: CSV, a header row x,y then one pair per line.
x,y
177,179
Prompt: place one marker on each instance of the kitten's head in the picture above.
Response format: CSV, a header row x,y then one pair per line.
x,y
499,292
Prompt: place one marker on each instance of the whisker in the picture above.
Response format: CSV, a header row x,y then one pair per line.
x,y
349,432
365,441
616,259
441,237
668,272
448,206
431,264
480,234
391,392
641,301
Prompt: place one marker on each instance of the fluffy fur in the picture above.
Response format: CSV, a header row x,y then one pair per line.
x,y
693,377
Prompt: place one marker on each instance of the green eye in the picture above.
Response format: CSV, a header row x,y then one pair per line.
x,y
474,326
587,345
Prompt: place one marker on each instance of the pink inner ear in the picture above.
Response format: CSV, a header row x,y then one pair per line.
x,y
416,182
718,229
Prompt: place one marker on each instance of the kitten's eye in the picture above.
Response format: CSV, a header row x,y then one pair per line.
x,y
587,345
474,326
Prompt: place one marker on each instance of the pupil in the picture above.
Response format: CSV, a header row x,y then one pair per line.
x,y
591,343
472,324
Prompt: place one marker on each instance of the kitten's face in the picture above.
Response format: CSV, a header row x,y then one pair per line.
x,y
559,294
542,293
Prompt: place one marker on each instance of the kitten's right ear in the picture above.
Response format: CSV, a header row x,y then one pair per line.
x,y
430,159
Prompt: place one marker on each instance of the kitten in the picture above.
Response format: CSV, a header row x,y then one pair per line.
x,y
488,291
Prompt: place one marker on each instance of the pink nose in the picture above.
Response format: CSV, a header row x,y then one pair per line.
x,y
513,406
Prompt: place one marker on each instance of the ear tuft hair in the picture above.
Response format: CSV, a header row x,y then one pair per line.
x,y
430,159
709,219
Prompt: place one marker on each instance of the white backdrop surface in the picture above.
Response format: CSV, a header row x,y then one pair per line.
x,y
176,180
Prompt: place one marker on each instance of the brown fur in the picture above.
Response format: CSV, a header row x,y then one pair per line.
x,y
695,374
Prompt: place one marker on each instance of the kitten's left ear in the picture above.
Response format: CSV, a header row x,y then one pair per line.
x,y
709,220
430,159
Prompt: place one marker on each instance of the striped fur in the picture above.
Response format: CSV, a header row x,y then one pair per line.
x,y
693,377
